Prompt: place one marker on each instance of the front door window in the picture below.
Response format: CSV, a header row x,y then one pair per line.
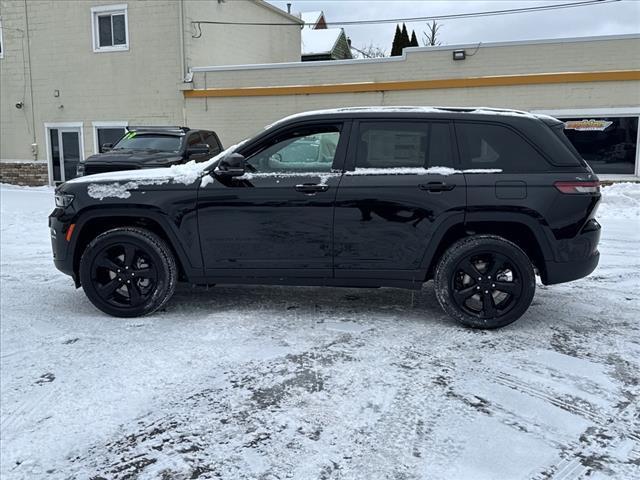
x,y
309,152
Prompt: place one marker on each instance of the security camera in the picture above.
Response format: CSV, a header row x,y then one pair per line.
x,y
19,105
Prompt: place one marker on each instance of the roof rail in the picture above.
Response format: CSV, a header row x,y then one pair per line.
x,y
157,128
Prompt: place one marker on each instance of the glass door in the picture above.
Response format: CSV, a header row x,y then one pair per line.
x,y
65,153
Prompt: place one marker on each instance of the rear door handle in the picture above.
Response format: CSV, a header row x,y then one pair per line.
x,y
436,187
310,188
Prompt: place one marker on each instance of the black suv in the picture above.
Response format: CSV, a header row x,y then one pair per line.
x,y
479,200
152,147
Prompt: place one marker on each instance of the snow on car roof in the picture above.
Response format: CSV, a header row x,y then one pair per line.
x,y
412,109
315,42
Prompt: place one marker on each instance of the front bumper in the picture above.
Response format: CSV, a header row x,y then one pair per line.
x,y
62,258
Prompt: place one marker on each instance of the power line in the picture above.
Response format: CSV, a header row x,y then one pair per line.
x,y
453,16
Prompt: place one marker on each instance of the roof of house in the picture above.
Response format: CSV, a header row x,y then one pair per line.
x,y
315,42
310,19
268,6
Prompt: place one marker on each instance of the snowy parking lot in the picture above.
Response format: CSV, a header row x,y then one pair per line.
x,y
317,383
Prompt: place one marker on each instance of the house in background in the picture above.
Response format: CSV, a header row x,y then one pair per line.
x,y
73,75
320,42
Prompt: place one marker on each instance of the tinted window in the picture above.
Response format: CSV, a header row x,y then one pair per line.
x,y
211,140
194,139
164,143
109,135
403,144
488,146
301,151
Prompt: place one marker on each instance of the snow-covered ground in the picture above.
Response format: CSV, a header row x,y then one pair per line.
x,y
317,383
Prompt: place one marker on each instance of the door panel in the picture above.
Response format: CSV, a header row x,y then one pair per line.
x,y
385,222
278,219
390,205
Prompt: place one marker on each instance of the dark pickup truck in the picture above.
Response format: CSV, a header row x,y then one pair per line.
x,y
477,200
152,147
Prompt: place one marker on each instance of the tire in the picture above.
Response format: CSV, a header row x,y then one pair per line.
x,y
485,281
128,272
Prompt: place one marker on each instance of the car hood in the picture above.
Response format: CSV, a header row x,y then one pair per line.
x,y
138,157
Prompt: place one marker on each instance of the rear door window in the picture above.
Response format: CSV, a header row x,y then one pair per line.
x,y
491,146
403,145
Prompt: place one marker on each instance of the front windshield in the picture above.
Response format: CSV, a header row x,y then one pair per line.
x,y
136,141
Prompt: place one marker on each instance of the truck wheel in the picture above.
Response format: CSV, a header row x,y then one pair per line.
x,y
128,272
485,281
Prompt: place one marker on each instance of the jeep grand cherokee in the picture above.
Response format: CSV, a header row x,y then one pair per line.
x,y
479,200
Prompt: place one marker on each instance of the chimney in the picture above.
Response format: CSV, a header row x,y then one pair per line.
x,y
289,8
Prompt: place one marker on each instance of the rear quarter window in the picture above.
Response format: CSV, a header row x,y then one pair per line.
x,y
493,146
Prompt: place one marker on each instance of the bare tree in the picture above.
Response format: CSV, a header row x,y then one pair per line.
x,y
431,35
369,51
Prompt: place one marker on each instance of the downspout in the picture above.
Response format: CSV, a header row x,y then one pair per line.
x,y
31,105
183,68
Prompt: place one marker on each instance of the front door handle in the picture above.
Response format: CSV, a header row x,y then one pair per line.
x,y
436,187
311,188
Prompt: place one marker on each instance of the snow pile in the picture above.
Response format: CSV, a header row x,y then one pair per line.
x,y
206,180
117,190
621,200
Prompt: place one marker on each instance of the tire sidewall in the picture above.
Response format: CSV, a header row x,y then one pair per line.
x,y
447,267
151,247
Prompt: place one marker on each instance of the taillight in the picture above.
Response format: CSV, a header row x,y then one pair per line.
x,y
577,187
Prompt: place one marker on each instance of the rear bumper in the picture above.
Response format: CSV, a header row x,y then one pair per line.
x,y
560,272
576,258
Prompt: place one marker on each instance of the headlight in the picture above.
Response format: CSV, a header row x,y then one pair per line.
x,y
80,169
63,200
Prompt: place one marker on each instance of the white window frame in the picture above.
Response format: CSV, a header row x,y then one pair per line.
x,y
599,113
95,32
96,125
47,127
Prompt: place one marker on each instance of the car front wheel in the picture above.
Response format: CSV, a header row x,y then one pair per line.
x,y
485,281
128,272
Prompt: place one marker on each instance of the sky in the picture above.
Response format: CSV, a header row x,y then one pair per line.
x,y
606,19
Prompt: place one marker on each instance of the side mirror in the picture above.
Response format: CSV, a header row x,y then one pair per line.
x,y
106,147
231,166
198,149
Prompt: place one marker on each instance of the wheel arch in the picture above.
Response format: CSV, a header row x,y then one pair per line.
x,y
92,224
517,231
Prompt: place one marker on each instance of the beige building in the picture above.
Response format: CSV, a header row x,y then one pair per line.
x,y
79,70
74,72
593,83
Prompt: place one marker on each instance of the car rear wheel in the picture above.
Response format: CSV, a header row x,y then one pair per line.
x,y
485,281
128,272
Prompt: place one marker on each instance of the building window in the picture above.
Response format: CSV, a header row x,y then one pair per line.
x,y
107,133
608,144
110,28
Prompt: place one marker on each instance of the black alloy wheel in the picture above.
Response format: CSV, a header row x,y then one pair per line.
x,y
124,275
485,281
128,272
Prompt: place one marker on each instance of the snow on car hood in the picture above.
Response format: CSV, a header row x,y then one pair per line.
x,y
120,184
